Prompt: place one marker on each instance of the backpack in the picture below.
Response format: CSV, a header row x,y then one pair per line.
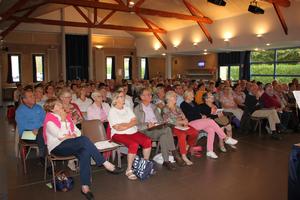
x,y
142,168
63,182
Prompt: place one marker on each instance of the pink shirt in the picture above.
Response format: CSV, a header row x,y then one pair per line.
x,y
95,112
149,114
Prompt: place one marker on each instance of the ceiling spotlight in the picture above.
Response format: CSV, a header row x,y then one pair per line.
x,y
205,53
226,40
259,35
268,44
163,54
99,46
256,49
195,43
217,2
131,3
205,50
254,8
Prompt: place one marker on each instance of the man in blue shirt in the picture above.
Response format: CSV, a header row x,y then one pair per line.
x,y
30,117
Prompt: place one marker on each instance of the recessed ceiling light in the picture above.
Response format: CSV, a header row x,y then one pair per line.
x,y
256,49
205,50
195,43
131,3
205,53
163,54
259,35
268,44
226,39
99,46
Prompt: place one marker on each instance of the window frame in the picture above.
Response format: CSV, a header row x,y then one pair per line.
x,y
140,74
106,57
229,71
124,57
34,67
9,55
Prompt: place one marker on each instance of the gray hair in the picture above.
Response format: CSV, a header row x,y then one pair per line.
x,y
64,91
187,93
115,97
170,94
95,93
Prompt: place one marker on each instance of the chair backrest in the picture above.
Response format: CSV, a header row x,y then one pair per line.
x,y
94,130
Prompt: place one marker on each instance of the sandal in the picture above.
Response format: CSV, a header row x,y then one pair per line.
x,y
130,175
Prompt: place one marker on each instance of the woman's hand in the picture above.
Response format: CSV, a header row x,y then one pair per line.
x,y
220,114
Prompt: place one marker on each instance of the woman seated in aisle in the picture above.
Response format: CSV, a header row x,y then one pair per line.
x,y
123,129
173,115
209,109
82,101
63,138
228,103
99,109
71,108
199,122
159,97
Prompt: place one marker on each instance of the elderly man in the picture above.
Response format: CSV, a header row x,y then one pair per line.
x,y
148,117
30,117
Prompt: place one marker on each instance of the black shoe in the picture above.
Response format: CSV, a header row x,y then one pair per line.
x,y
276,136
170,166
117,170
89,195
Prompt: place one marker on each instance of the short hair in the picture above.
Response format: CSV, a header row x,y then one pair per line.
x,y
64,91
50,104
144,89
115,97
170,94
187,92
95,93
267,85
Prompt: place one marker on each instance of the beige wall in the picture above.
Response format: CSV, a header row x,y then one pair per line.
x,y
26,44
157,67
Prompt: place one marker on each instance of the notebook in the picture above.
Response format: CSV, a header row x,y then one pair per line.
x,y
105,145
28,135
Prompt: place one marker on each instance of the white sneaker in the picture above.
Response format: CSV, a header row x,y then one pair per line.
x,y
223,149
211,154
231,141
268,130
232,146
72,165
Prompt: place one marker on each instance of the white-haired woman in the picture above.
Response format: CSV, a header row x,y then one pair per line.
x,y
123,121
187,135
199,122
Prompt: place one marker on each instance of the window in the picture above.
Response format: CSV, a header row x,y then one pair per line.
x,y
229,72
143,68
14,67
280,64
38,67
109,64
126,67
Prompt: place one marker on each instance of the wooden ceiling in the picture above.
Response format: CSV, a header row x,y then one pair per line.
x,y
146,16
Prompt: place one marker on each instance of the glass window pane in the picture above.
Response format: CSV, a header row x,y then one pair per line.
x,y
263,79
234,73
126,68
143,68
108,67
286,79
15,67
262,69
262,56
39,68
288,54
288,69
223,72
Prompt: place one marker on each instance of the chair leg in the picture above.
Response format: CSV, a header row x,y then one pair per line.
x,y
23,158
259,128
45,169
53,175
157,148
119,158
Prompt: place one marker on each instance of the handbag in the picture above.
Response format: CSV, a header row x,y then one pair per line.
x,y
63,182
142,168
222,121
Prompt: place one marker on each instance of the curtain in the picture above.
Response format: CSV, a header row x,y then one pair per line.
x,y
77,61
232,58
34,68
146,75
113,68
130,68
246,65
9,71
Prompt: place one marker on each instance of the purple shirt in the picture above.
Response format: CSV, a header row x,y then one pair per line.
x,y
149,114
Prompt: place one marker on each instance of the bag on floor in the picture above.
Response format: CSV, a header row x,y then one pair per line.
x,y
142,168
63,182
11,113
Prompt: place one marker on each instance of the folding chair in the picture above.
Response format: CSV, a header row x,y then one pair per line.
x,y
94,130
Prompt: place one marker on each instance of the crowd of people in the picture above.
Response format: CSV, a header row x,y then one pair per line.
x,y
142,112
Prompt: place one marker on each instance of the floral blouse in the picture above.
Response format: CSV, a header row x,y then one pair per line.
x,y
171,116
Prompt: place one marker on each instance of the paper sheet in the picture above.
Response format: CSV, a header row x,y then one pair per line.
x,y
105,145
28,135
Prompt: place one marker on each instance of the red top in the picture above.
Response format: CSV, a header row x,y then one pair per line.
x,y
270,101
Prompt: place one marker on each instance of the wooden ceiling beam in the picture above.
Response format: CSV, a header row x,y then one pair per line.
x,y
30,7
13,9
121,8
107,17
139,3
281,18
120,2
195,12
87,25
146,21
83,15
17,22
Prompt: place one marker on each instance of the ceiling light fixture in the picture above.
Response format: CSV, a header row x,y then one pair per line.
x,y
256,49
226,40
195,43
205,53
99,46
163,54
217,2
205,50
254,8
268,44
259,35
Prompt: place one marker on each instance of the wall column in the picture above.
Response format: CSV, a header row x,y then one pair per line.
x,y
63,46
90,50
168,72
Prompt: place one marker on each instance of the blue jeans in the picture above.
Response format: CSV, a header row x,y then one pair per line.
x,y
83,149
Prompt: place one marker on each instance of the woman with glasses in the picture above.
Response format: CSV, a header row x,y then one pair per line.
x,y
123,122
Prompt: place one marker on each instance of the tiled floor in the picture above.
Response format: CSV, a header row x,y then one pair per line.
x,y
256,170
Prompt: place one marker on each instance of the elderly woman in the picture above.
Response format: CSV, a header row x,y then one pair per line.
x,y
123,129
71,108
199,122
83,102
63,138
173,115
209,109
159,98
49,92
